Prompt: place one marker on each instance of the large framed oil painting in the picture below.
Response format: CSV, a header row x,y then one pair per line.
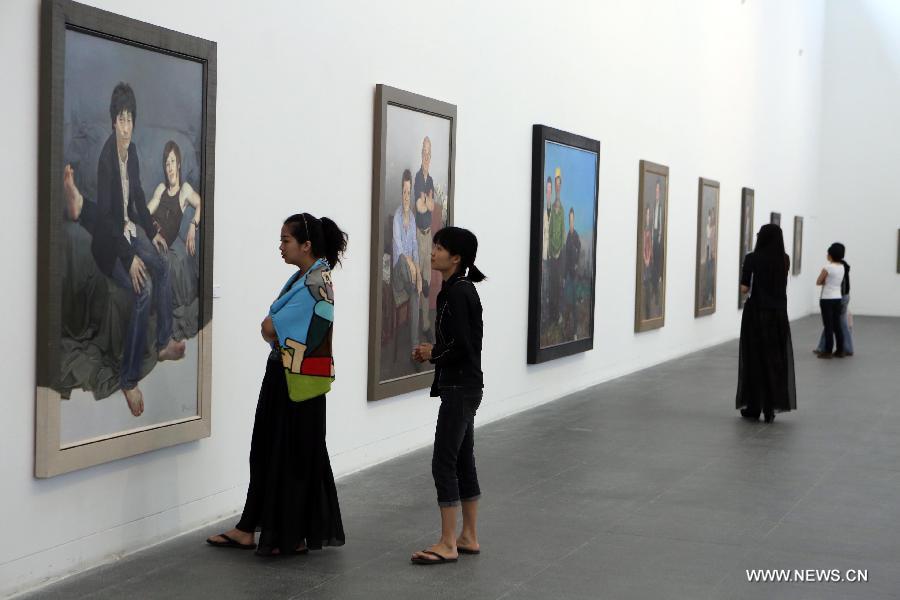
x,y
653,214
565,176
124,238
797,261
747,239
707,247
412,198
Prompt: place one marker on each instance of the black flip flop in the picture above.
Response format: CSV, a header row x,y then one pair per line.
x,y
416,560
462,550
271,552
230,543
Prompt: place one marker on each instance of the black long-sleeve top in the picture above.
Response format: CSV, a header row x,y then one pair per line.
x,y
458,333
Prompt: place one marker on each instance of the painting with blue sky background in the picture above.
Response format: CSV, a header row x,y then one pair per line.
x,y
567,265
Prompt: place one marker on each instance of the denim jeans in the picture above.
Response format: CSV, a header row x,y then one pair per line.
x,y
845,329
156,293
453,461
831,319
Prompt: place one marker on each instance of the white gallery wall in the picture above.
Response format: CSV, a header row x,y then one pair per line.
x,y
860,176
729,90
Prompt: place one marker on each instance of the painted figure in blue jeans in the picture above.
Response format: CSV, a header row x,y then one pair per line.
x,y
458,381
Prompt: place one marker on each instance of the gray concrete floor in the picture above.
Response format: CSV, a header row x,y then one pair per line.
x,y
649,486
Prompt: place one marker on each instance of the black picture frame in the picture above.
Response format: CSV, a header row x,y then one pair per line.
x,y
541,134
385,96
57,17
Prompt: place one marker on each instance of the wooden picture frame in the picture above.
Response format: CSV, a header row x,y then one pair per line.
x,y
797,259
747,237
706,265
650,272
565,175
65,27
403,122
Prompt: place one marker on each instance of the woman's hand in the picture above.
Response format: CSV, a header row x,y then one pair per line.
x,y
191,237
160,243
267,330
422,353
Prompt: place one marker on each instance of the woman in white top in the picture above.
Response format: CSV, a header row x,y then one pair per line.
x,y
830,302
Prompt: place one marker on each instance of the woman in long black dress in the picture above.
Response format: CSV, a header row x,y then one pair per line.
x,y
292,500
766,362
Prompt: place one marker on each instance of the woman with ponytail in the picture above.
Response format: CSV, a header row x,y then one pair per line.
x,y
292,500
458,382
766,353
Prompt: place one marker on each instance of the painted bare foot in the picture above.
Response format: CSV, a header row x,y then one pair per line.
x,y
173,351
467,545
241,537
439,552
135,400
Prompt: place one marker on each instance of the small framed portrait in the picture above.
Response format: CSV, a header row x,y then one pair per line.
x,y
797,260
653,214
707,248
747,236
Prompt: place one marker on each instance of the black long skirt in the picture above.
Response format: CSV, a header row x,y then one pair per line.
x,y
292,499
766,362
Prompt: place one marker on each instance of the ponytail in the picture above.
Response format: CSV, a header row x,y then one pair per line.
x,y
474,274
326,238
335,242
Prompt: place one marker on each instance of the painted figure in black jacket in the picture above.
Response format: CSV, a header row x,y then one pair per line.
x,y
458,382
128,249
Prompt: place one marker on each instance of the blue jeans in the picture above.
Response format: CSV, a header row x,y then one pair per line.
x,y
848,338
156,293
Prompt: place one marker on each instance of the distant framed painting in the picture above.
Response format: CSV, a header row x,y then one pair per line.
x,y
125,251
707,247
412,197
775,218
564,186
898,250
797,260
746,241
653,214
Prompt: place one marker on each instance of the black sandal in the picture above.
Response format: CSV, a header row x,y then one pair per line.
x,y
418,560
229,543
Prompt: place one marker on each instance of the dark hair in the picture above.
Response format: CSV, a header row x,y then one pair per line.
x,y
572,211
549,180
122,99
462,243
771,260
325,237
407,176
171,146
837,251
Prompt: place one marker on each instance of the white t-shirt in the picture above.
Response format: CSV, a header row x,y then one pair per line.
x,y
831,290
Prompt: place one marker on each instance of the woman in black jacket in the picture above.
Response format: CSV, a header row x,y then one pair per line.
x,y
458,382
766,357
